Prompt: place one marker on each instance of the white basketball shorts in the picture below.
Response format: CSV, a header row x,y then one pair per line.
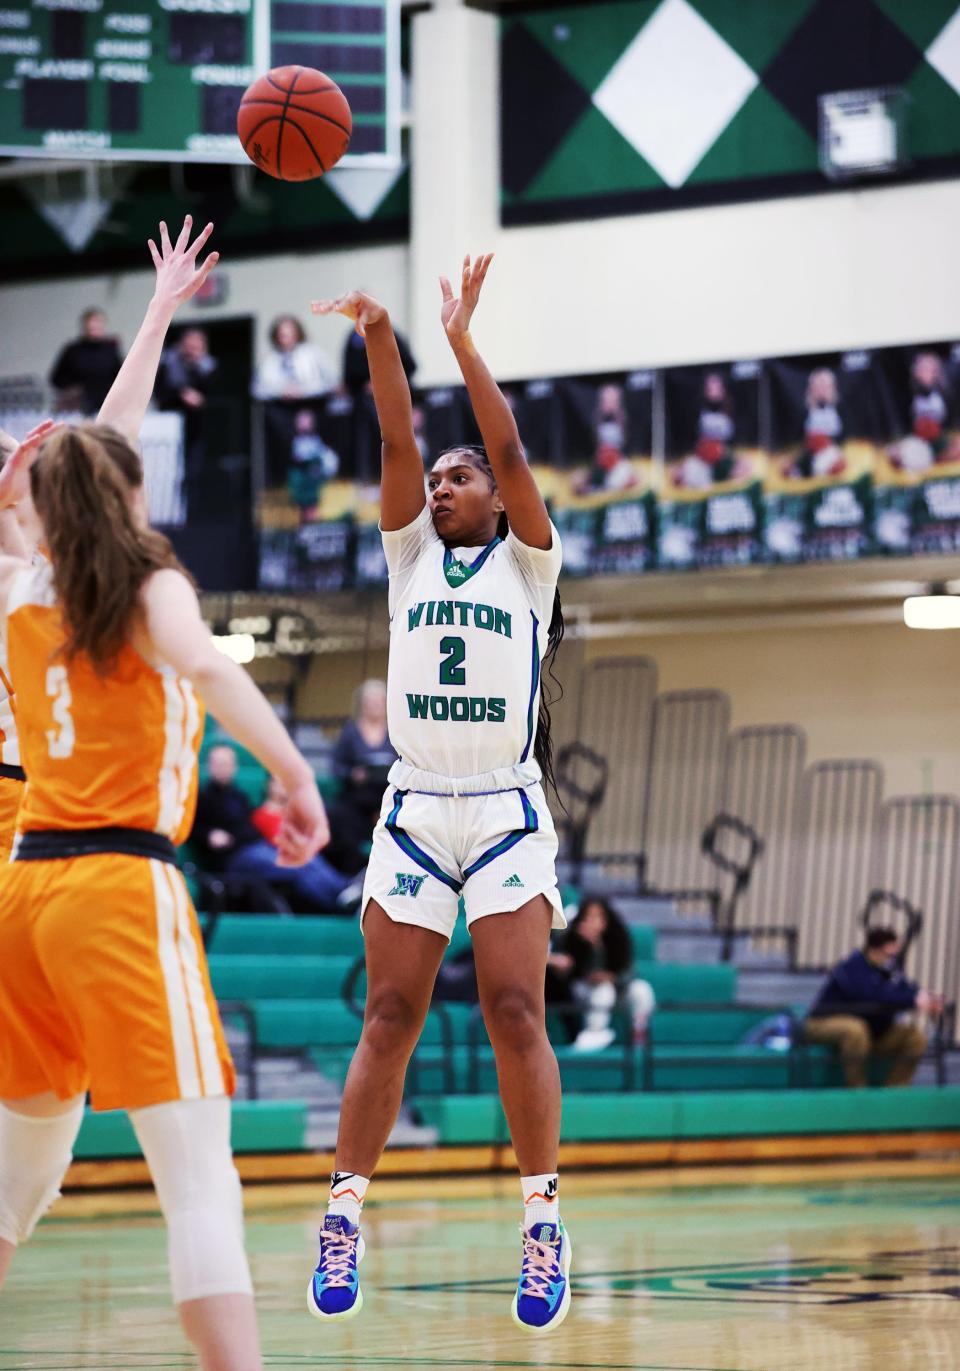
x,y
496,851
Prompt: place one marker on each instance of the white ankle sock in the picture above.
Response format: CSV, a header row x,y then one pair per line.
x,y
540,1199
347,1193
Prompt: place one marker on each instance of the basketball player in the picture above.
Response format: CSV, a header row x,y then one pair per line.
x,y
178,279
103,980
473,565
12,776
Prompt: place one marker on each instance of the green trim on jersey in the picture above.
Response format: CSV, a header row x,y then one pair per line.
x,y
458,573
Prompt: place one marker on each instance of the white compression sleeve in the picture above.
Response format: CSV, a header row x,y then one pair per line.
x,y
34,1156
187,1147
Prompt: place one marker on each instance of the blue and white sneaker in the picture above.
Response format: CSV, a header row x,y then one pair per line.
x,y
542,1300
334,1291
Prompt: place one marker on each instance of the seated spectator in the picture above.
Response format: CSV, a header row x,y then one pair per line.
x,y
233,843
87,367
361,760
185,378
312,464
861,1007
593,969
293,369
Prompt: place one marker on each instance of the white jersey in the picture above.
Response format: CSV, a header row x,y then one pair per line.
x,y
9,743
468,631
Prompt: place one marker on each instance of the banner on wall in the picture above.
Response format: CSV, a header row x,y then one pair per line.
x,y
829,417
917,495
826,457
710,505
601,487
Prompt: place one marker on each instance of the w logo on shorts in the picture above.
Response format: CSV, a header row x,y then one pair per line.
x,y
407,885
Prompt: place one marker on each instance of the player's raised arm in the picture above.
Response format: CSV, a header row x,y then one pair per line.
x,y
179,636
179,277
402,494
526,512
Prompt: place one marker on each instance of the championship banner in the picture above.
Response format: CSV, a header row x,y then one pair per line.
x,y
710,501
830,415
917,494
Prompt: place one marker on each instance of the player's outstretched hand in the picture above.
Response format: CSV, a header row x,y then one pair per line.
x,y
15,477
178,275
357,306
304,829
455,314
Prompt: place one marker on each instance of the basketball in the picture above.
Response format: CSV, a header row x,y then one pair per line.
x,y
294,123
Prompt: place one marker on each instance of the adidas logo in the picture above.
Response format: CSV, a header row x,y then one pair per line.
x,y
455,572
513,883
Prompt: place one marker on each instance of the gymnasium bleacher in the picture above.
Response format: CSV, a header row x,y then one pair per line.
x,y
744,872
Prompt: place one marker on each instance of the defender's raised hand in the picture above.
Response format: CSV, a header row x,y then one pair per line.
x,y
455,314
178,276
15,476
361,309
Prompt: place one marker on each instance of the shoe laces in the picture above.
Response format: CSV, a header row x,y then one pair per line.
x,y
541,1260
337,1252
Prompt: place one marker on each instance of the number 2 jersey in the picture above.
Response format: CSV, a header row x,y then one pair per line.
x,y
117,750
468,632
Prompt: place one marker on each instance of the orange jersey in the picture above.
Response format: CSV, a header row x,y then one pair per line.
x,y
118,750
9,745
104,985
11,795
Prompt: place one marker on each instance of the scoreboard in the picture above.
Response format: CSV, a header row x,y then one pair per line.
x,y
160,80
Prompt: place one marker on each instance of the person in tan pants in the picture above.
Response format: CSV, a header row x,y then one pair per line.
x,y
857,1011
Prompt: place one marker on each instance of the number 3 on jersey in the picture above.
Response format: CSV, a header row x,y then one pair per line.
x,y
452,672
60,740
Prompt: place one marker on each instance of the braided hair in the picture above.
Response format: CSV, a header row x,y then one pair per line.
x,y
549,695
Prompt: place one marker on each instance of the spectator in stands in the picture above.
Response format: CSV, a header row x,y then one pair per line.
x,y
232,843
365,435
860,1011
293,369
292,376
592,969
87,367
361,760
356,368
312,464
185,379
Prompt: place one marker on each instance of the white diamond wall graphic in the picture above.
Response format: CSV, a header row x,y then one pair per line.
x,y
363,189
76,204
675,89
943,54
75,219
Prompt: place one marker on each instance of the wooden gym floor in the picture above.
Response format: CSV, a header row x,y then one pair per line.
x,y
840,1268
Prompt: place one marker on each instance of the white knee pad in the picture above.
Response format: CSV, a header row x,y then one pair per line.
x,y
187,1147
34,1156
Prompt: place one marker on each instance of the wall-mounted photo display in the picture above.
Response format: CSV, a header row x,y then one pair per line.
x,y
602,495
826,457
829,418
917,490
710,498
